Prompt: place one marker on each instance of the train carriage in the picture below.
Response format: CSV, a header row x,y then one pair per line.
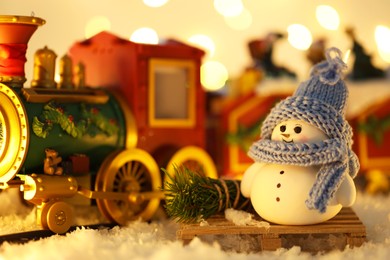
x,y
162,86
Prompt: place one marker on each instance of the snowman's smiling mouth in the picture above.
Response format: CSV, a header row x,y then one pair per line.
x,y
291,141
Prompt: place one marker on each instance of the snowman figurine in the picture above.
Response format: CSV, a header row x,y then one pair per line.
x,y
304,165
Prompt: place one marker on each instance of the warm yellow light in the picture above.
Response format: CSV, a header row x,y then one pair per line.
x,y
57,77
382,38
241,21
299,36
96,25
204,42
328,17
228,7
144,35
346,56
155,3
213,75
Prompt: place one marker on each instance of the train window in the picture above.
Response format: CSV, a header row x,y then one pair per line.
x,y
171,93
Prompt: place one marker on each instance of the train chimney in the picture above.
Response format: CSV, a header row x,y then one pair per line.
x,y
15,32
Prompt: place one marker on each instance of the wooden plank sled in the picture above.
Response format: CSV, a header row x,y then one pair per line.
x,y
342,230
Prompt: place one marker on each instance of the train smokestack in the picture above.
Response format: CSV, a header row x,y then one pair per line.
x,y
15,32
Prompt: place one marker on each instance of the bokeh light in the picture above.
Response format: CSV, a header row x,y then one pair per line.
x,y
346,56
228,8
213,75
382,38
145,35
328,17
203,42
239,22
96,25
155,3
299,36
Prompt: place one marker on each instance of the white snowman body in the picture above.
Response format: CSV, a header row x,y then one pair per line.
x,y
278,192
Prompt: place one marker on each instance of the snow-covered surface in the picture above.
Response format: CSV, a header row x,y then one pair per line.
x,y
157,239
362,94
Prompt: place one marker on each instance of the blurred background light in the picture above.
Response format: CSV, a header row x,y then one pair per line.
x,y
213,75
144,35
228,7
239,22
155,3
347,55
203,42
328,17
382,39
96,25
299,36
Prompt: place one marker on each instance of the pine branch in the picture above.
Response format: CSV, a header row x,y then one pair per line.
x,y
191,197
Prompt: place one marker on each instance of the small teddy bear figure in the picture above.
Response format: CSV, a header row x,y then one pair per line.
x,y
50,165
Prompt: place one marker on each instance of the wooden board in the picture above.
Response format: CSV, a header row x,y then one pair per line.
x,y
336,233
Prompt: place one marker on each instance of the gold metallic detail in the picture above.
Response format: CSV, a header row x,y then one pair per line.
x,y
15,183
15,137
44,68
126,172
22,19
44,95
156,65
132,197
58,216
79,76
130,123
47,187
194,158
66,73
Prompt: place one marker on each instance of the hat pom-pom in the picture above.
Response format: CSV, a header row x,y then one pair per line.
x,y
330,70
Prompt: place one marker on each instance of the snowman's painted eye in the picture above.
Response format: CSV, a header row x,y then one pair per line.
x,y
282,128
298,129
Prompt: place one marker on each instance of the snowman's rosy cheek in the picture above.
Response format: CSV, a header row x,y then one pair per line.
x,y
302,138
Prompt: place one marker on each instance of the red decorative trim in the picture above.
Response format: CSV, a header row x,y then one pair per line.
x,y
12,59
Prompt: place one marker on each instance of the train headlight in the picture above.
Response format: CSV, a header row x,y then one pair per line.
x,y
14,133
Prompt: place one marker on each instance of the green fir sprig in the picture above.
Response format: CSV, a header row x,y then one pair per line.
x,y
90,120
191,197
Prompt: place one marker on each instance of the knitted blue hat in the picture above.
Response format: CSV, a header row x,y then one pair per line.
x,y
321,102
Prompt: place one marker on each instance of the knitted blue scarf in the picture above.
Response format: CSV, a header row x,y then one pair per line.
x,y
332,155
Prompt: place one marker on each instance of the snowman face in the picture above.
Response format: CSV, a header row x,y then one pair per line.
x,y
297,131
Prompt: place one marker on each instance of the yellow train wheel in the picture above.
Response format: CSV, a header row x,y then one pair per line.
x,y
192,158
130,171
58,216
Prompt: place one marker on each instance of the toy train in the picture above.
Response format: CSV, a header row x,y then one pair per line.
x,y
106,144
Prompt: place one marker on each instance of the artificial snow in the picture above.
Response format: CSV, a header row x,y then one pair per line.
x,y
243,218
157,239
